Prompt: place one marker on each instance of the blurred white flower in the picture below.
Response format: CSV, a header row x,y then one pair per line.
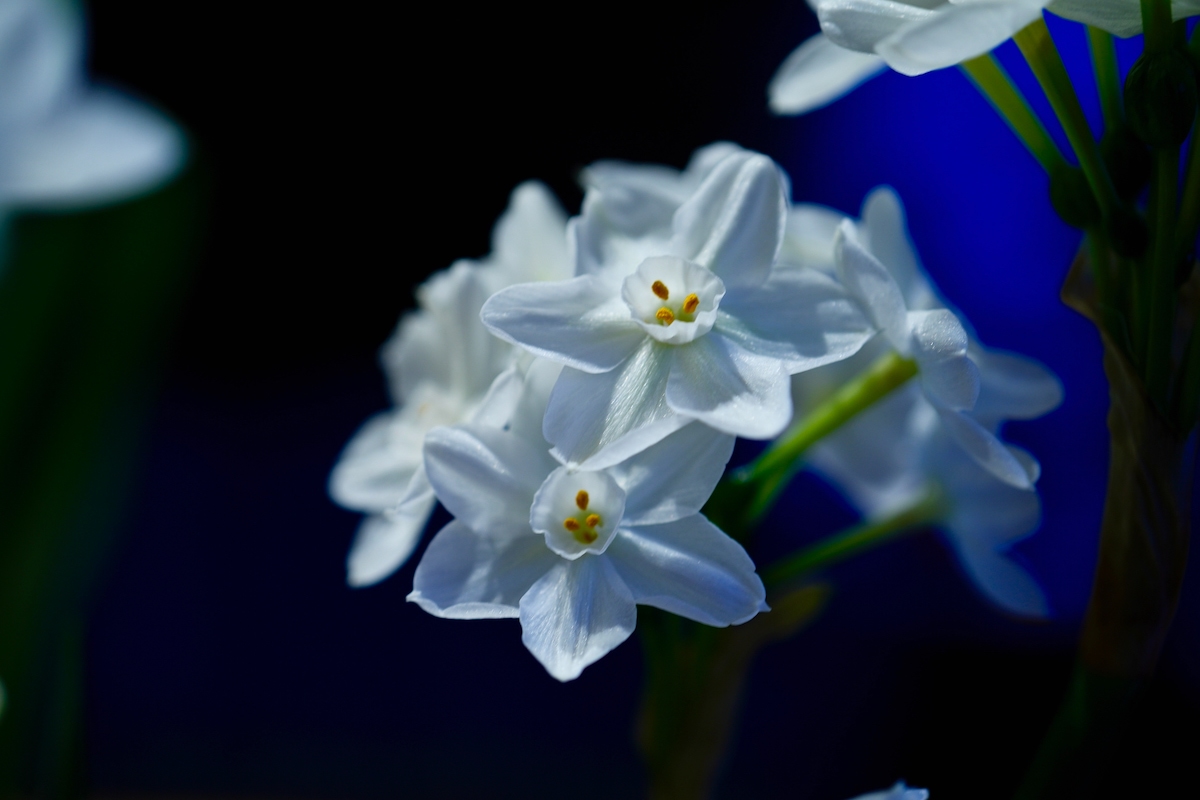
x,y
897,792
878,265
859,37
1119,17
63,142
440,364
678,313
570,551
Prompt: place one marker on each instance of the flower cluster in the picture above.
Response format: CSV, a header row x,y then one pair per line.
x,y
681,309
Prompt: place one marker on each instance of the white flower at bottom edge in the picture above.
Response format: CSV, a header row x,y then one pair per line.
x,y
898,792
63,142
571,551
443,368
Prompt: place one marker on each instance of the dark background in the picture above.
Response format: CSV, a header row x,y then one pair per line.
x,y
349,151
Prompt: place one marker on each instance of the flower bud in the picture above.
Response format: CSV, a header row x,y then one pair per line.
x,y
1072,197
1160,98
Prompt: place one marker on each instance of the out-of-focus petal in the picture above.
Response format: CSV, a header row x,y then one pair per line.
x,y
1119,17
861,24
887,237
956,32
41,59
817,73
870,282
808,238
1001,580
385,541
734,222
691,568
675,477
485,477
1013,386
898,792
986,450
575,614
102,148
599,420
377,465
716,381
575,322
467,576
529,241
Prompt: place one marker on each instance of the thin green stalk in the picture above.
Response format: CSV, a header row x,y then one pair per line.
x,y
1037,46
994,83
1108,77
1156,21
1189,205
1162,275
854,540
771,471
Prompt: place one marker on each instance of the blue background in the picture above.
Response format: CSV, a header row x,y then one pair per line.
x,y
353,153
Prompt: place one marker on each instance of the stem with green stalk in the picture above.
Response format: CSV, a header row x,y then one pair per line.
x,y
994,83
1108,77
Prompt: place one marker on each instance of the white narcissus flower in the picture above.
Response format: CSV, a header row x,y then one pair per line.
x,y
440,364
689,322
1119,17
897,792
878,265
571,551
859,37
63,142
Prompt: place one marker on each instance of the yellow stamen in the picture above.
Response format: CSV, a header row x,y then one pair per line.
x,y
571,524
581,499
660,290
691,303
665,316
593,520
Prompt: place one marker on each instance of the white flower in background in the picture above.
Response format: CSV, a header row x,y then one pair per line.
x,y
687,322
440,365
571,551
897,792
860,37
878,265
1119,17
63,142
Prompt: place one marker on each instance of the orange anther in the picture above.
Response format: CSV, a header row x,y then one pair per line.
x,y
665,316
691,303
660,290
581,499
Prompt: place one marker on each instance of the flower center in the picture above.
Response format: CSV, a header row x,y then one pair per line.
x,y
669,312
584,525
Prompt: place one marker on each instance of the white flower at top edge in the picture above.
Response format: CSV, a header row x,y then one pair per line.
x,y
898,792
572,551
663,326
859,38
441,364
878,265
63,142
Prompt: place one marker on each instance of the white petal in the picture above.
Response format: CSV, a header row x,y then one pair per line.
x,y
575,322
734,222
675,477
817,73
529,241
500,403
802,317
527,418
949,377
808,240
465,575
575,614
955,33
1004,583
634,199
600,419
986,510
385,541
1013,386
861,24
897,792
1120,17
377,465
485,477
873,285
986,450
691,568
41,59
887,237
102,148
729,388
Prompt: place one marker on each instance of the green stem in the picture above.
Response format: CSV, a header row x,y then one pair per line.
x,y
774,468
1156,21
852,541
994,83
1108,77
1162,276
1037,46
1189,206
